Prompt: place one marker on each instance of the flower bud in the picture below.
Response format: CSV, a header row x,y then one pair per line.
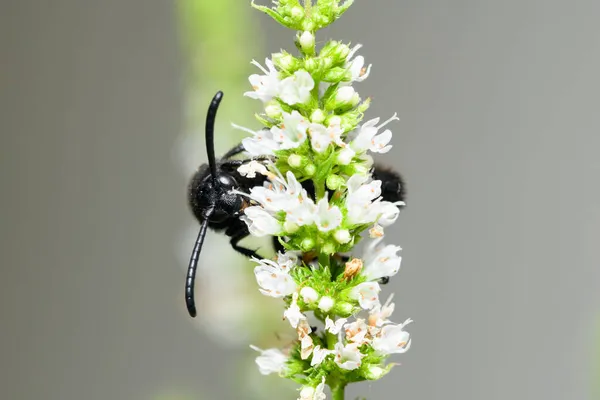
x,y
343,309
295,161
347,95
374,372
310,169
329,248
309,295
307,244
317,116
273,109
285,61
311,65
297,13
290,227
326,303
353,268
307,42
334,182
342,236
345,156
337,74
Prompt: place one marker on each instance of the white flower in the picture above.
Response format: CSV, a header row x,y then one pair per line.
x,y
319,355
260,222
357,70
392,339
250,169
296,88
334,327
260,143
347,94
311,393
347,357
388,212
265,86
328,217
293,314
359,200
287,260
367,294
326,303
378,316
381,260
356,332
321,136
309,295
273,280
270,361
367,137
292,132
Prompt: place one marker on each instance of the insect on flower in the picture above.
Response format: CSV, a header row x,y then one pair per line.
x,y
216,200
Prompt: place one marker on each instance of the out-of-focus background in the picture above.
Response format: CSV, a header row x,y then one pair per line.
x,y
100,113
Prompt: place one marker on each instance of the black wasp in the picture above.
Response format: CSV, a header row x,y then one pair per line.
x,y
215,206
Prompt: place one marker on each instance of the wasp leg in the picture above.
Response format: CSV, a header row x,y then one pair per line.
x,y
233,152
277,245
242,250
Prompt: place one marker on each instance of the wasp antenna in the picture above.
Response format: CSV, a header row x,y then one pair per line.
x,y
191,272
210,133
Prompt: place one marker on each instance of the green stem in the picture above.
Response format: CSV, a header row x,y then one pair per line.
x,y
307,6
338,392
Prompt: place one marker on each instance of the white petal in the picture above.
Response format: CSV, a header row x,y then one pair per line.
x,y
270,361
335,327
367,294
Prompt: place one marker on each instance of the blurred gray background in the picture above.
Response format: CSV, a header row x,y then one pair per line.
x,y
498,141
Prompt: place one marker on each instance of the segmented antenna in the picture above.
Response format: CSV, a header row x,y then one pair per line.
x,y
210,134
191,272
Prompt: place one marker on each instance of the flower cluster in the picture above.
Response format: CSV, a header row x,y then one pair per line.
x,y
319,198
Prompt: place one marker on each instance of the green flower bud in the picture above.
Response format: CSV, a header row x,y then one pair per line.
x,y
308,25
317,116
307,244
273,109
285,61
337,74
329,248
343,309
297,13
290,227
334,182
310,169
312,65
295,161
373,372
